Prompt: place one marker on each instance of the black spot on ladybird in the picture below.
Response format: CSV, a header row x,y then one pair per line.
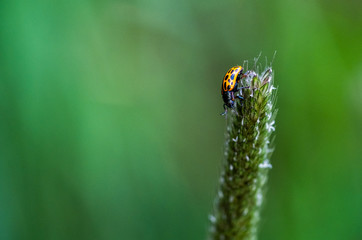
x,y
226,76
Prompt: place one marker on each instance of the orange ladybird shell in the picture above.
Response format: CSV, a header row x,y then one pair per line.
x,y
230,77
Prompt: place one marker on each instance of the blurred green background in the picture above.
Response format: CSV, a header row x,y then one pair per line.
x,y
110,125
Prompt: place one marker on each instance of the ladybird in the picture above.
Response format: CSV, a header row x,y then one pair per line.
x,y
229,86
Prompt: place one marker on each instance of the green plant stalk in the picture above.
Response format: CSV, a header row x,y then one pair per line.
x,y
247,154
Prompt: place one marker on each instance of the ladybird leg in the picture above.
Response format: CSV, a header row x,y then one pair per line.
x,y
236,87
226,110
233,98
240,97
234,94
237,95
